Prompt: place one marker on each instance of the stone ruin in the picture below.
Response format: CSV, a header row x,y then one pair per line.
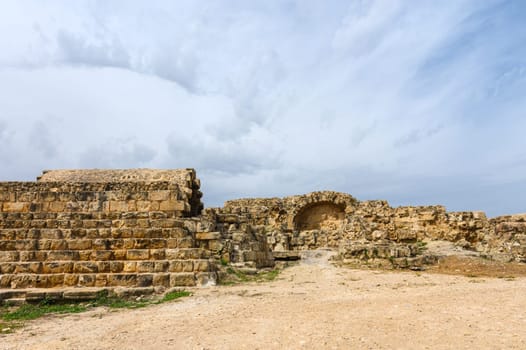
x,y
78,229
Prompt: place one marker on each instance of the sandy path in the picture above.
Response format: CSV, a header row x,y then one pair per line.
x,y
310,306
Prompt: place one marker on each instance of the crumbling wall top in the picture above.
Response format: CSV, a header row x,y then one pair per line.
x,y
183,177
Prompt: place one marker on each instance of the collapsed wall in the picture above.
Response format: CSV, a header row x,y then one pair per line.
x,y
337,220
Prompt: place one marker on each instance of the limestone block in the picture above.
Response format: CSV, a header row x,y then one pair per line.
x,y
165,223
56,207
144,280
5,281
159,195
100,244
9,245
80,295
102,255
171,243
120,279
172,254
86,280
9,256
129,266
161,279
215,246
181,266
57,267
58,244
145,266
103,266
6,268
85,267
101,280
55,280
141,243
119,254
28,267
23,281
207,235
71,280
76,233
138,254
157,243
202,266
157,254
116,266
118,206
79,244
84,255
186,242
143,205
182,279
143,223
161,266
21,207
43,281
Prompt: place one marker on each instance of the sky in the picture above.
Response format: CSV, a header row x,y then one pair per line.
x,y
414,102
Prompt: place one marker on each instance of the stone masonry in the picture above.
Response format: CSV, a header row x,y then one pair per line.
x,y
148,228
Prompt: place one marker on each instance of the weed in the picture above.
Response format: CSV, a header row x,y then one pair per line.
x,y
33,311
11,318
174,295
235,276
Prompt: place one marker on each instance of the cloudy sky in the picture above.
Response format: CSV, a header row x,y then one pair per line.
x,y
416,102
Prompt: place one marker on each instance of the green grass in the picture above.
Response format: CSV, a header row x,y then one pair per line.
x,y
31,312
175,295
13,317
235,276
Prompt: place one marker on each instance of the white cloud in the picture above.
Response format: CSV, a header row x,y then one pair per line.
x,y
404,101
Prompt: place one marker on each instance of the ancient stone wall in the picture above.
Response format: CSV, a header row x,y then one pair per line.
x,y
331,219
58,197
137,228
105,228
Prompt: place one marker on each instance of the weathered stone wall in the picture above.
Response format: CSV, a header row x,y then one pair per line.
x,y
137,228
331,219
57,197
100,249
184,179
99,228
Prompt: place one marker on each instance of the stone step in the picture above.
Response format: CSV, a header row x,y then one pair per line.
x,y
79,215
95,244
81,233
103,255
92,224
166,279
116,266
287,255
14,301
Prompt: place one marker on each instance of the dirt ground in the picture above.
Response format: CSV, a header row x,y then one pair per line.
x,y
313,305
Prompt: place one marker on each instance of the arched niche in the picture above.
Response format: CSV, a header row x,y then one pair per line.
x,y
319,216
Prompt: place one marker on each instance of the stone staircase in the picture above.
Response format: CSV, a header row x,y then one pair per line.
x,y
103,249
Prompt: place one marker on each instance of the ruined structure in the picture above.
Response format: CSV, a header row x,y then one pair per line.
x,y
148,228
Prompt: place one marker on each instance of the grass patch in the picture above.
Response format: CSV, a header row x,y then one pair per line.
x,y
174,295
33,311
14,317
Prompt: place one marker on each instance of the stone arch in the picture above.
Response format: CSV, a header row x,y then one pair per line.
x,y
297,204
319,216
